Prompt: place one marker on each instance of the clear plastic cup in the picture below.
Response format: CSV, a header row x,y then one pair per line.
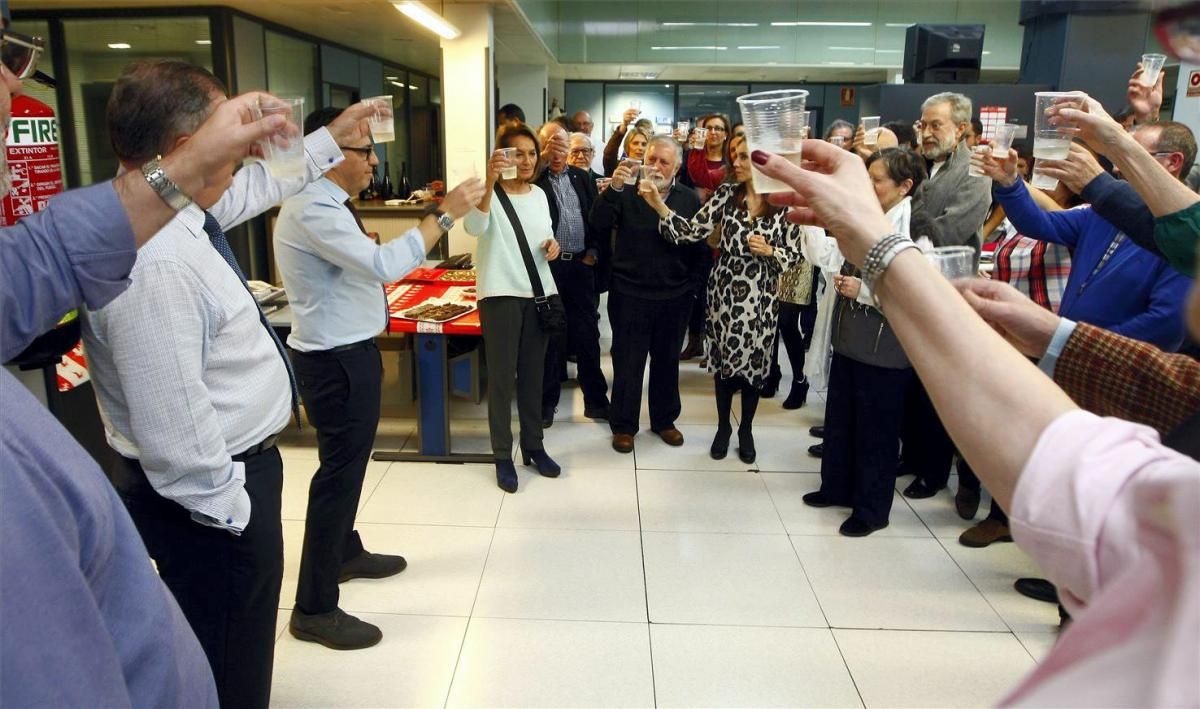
x,y
1152,65
382,122
1050,142
684,126
651,173
870,126
1002,140
284,151
602,183
954,261
510,172
980,149
808,124
776,122
1040,179
635,167
636,104
699,137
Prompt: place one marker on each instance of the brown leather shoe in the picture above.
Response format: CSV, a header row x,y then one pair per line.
x,y
671,436
987,532
622,443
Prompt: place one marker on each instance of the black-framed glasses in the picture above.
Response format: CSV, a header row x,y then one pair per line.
x,y
365,153
20,53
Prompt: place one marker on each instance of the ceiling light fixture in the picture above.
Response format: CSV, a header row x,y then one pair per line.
x,y
697,48
119,45
820,24
853,49
710,24
898,24
840,63
204,41
758,46
428,19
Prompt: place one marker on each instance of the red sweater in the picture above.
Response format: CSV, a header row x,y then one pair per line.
x,y
705,173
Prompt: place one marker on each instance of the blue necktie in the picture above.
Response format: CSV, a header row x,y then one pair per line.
x,y
217,236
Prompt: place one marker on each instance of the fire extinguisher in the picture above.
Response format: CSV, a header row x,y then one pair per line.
x,y
31,146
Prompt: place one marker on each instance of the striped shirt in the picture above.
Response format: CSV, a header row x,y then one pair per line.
x,y
1039,269
570,234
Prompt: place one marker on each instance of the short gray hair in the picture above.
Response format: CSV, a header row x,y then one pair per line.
x,y
584,137
666,140
960,106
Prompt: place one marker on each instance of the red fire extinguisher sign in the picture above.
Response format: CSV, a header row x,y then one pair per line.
x,y
32,145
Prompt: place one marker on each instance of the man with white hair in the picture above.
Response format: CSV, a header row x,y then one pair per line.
x,y
650,296
956,202
581,153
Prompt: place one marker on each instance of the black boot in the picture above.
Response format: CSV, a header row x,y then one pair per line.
x,y
746,450
724,389
506,475
798,396
720,444
546,466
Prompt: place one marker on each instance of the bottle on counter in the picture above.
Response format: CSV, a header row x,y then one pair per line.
x,y
370,191
404,188
385,187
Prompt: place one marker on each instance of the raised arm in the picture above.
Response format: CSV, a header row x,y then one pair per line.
x,y
679,230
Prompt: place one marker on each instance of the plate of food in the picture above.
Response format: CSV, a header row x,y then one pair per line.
x,y
463,275
437,310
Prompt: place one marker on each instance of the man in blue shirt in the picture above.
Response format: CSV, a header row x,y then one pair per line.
x,y
334,275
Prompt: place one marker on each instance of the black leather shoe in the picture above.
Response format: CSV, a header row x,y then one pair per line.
x,y
1037,589
337,630
817,431
596,413
548,418
817,450
372,566
966,502
855,527
545,465
746,452
720,444
819,499
918,490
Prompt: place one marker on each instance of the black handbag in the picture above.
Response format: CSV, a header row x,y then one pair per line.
x,y
552,316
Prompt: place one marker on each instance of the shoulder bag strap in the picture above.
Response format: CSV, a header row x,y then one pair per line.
x,y
535,280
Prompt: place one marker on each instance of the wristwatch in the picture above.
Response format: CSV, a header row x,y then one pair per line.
x,y
164,187
445,221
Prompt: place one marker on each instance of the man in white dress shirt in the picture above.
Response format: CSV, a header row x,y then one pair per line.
x,y
334,275
194,387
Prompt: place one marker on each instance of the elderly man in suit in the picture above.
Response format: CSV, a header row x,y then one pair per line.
x,y
957,204
570,192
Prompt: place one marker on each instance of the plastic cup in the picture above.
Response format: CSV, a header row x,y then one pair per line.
x,y
870,126
684,126
808,124
636,104
635,166
699,136
1152,65
382,122
1002,140
954,261
1041,180
284,151
1049,141
649,172
775,122
979,150
510,172
602,183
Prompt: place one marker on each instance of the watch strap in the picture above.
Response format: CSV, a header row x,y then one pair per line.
x,y
881,255
164,187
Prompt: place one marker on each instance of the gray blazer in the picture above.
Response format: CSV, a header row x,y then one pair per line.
x,y
955,201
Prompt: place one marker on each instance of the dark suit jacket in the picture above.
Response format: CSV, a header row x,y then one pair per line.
x,y
594,242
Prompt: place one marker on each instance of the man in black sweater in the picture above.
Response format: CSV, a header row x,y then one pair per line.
x,y
650,295
570,193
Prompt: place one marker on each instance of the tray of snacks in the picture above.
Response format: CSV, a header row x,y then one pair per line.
x,y
437,310
464,275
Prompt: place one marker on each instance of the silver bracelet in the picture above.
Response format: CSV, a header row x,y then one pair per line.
x,y
881,255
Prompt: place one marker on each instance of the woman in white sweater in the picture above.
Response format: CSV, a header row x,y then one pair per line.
x,y
513,342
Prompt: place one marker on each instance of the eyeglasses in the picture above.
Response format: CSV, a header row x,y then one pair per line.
x,y
582,151
717,129
364,153
20,53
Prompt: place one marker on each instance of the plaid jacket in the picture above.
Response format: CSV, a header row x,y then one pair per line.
x,y
1039,269
1112,375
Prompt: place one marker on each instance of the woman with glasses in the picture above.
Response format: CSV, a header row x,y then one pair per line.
x,y
706,163
513,340
757,244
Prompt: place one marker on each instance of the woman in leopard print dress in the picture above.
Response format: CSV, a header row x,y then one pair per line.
x,y
757,245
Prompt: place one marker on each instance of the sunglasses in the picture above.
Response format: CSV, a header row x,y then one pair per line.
x,y
20,53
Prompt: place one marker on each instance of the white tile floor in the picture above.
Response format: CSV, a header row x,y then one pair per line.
x,y
659,578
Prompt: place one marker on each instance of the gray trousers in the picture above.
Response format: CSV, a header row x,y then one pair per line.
x,y
515,349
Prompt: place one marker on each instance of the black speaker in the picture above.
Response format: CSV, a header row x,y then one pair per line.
x,y
943,54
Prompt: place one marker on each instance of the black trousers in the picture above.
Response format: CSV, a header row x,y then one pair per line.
x,y
340,391
576,283
863,417
796,323
646,328
701,270
928,451
227,585
514,347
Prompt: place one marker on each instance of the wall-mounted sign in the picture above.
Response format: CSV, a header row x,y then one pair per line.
x,y
847,96
1193,87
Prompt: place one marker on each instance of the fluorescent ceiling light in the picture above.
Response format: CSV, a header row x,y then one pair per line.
x,y
898,24
888,51
709,24
428,19
759,46
119,45
987,52
840,63
853,49
204,41
820,24
697,48
391,78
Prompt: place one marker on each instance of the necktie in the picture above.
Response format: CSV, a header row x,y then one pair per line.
x,y
217,236
387,314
